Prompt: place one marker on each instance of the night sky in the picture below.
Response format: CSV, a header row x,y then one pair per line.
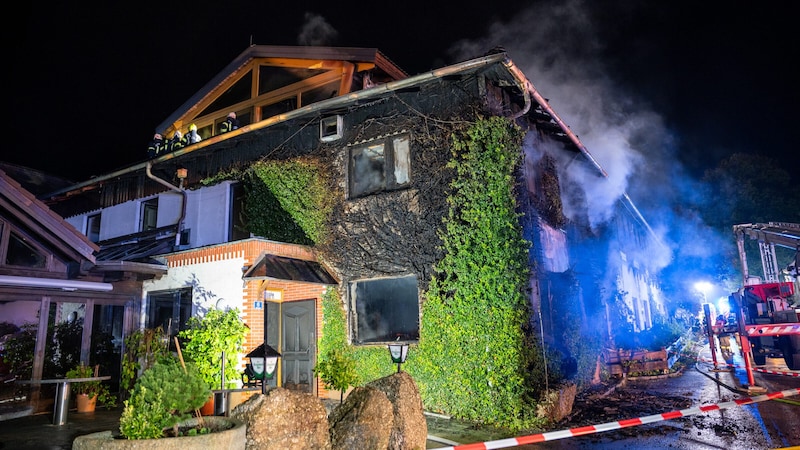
x,y
90,81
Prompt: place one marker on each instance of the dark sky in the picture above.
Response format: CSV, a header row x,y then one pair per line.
x,y
91,80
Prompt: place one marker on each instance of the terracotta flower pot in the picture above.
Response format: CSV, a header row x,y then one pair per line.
x,y
85,403
208,408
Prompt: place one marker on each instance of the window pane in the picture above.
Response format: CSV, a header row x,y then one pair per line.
x,y
93,228
402,160
150,214
366,170
387,309
21,253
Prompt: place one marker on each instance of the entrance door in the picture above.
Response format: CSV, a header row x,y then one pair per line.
x,y
299,345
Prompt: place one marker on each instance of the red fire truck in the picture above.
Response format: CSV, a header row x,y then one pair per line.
x,y
770,311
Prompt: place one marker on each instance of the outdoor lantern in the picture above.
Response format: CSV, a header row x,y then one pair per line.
x,y
398,352
264,365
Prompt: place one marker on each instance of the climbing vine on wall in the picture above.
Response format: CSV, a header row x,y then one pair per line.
x,y
370,362
287,201
476,360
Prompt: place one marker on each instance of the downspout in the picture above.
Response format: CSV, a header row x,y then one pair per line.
x,y
180,190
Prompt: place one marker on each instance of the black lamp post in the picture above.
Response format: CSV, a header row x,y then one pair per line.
x,y
264,364
398,352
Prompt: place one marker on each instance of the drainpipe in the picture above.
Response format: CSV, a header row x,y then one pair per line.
x,y
180,190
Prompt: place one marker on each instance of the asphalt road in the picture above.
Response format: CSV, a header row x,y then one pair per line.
x,y
763,425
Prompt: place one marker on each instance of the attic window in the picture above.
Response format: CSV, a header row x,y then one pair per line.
x,y
21,252
380,165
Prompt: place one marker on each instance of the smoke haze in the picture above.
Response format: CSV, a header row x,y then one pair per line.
x,y
558,47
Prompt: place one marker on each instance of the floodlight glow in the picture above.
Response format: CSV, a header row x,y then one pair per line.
x,y
703,286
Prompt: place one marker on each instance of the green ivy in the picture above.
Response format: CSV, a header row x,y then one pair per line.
x,y
287,201
475,359
370,362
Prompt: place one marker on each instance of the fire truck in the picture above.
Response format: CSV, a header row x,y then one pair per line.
x,y
769,310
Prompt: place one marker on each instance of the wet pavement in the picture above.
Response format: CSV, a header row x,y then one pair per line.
x,y
747,427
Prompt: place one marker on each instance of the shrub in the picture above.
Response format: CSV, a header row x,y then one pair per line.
x,y
337,370
207,337
163,396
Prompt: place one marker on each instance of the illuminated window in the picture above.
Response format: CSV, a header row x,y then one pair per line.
x,y
379,166
386,309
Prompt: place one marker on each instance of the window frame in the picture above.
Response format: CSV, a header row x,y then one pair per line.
x,y
398,330
395,165
144,208
89,225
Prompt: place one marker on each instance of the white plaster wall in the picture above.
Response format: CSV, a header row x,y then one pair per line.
x,y
207,213
120,220
79,222
169,209
214,284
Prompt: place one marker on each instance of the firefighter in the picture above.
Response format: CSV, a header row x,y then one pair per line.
x,y
231,123
177,142
156,146
192,137
724,336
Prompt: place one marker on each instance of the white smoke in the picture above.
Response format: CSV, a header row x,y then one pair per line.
x,y
316,31
555,46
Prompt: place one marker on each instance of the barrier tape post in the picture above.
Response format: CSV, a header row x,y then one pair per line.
x,y
591,429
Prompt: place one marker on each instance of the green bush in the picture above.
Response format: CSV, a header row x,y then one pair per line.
x,y
207,337
163,396
337,369
142,349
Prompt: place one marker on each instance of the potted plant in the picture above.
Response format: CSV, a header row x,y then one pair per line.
x,y
206,339
89,393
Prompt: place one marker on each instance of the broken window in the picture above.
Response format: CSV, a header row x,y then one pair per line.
x,y
380,165
385,309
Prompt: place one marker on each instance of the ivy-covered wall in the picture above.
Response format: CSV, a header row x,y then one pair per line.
x,y
476,357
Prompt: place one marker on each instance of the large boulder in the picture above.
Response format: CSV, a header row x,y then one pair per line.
x,y
409,428
363,422
556,404
284,420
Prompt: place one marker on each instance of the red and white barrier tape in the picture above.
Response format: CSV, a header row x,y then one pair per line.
x,y
755,369
580,431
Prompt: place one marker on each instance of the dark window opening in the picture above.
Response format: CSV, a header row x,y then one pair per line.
x,y
325,92
386,309
239,92
22,253
169,310
280,107
273,78
93,228
149,215
237,225
380,166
